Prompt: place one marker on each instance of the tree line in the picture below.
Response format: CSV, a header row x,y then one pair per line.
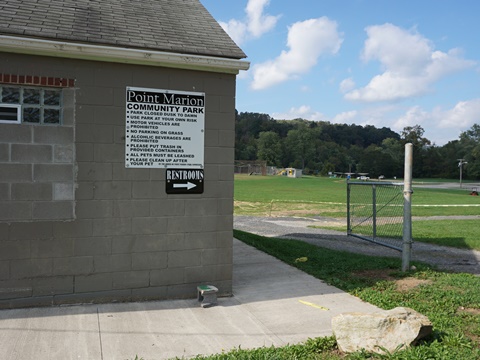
x,y
320,147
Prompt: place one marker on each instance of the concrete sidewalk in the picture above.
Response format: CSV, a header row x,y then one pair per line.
x,y
273,304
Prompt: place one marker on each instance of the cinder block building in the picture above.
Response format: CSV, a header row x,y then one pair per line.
x,y
116,151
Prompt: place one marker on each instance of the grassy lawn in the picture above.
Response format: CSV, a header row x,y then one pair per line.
x,y
315,196
322,190
462,234
307,188
457,233
450,301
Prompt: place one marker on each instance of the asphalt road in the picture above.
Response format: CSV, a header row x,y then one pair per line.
x,y
445,258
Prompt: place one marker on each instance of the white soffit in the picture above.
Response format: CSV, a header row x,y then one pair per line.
x,y
120,55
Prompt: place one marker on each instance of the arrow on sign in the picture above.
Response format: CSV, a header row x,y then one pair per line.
x,y
187,185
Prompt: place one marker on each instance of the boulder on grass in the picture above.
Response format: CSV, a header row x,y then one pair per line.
x,y
386,330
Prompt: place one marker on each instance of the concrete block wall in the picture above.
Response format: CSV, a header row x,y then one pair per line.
x,y
37,174
128,239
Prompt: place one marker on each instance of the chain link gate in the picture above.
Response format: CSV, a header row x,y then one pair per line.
x,y
375,212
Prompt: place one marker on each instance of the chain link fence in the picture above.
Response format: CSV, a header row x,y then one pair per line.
x,y
375,212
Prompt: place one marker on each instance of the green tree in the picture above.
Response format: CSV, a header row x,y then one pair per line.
x,y
433,162
376,162
394,151
414,135
300,143
470,144
269,148
333,154
447,162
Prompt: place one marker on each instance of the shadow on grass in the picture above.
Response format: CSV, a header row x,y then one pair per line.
x,y
451,241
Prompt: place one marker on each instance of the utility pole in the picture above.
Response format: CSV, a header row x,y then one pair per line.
x,y
461,162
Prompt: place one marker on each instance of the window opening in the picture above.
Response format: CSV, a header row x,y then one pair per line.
x,y
38,105
10,113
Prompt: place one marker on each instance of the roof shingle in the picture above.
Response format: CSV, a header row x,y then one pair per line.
x,y
180,26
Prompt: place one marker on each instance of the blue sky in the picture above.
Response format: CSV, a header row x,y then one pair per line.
x,y
392,63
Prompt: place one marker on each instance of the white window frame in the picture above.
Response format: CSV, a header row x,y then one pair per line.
x,y
19,114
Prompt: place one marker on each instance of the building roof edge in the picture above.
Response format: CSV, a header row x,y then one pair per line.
x,y
32,46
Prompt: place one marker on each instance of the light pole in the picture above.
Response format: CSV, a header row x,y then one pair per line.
x,y
461,162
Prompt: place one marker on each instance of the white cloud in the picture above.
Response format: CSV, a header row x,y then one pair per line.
x,y
307,41
237,30
463,115
378,116
346,85
409,62
258,23
397,50
345,117
414,116
302,112
441,125
255,24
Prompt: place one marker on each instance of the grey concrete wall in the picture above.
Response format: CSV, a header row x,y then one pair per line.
x,y
37,172
126,239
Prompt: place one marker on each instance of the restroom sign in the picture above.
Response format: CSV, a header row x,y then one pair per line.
x,y
184,181
164,128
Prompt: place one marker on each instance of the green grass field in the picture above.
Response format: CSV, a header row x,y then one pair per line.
x,y
318,192
316,196
462,234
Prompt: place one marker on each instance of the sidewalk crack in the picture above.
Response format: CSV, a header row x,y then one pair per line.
x,y
99,335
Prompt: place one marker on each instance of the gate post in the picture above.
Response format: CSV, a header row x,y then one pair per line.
x,y
407,208
349,225
374,211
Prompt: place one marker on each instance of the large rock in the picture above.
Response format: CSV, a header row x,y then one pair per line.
x,y
380,330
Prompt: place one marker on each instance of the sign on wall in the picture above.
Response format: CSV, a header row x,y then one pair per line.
x,y
164,129
184,181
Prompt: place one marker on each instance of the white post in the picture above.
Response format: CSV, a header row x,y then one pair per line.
x,y
407,208
460,165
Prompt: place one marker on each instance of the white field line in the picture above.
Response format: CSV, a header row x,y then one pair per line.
x,y
308,202
338,203
451,205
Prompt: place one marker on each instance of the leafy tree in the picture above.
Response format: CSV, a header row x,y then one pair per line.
x,y
327,168
269,148
376,162
470,143
333,154
393,149
433,162
447,163
246,150
300,143
414,135
322,146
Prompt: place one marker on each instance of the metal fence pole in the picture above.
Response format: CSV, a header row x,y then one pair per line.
x,y
349,227
407,208
374,211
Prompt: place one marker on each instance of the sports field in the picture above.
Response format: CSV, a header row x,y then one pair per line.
x,y
326,197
